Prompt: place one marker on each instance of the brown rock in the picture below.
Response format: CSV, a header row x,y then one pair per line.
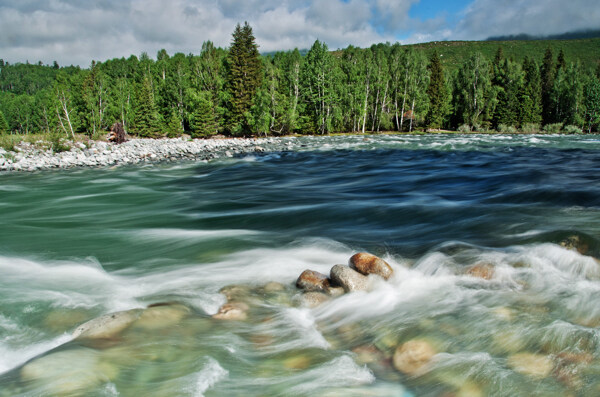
x,y
413,356
232,311
311,281
349,279
370,264
481,270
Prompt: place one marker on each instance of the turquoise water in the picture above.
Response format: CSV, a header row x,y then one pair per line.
x,y
78,244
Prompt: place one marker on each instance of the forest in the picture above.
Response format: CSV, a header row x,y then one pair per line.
x,y
239,92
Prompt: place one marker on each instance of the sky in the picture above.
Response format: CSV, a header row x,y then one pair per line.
x,y
79,31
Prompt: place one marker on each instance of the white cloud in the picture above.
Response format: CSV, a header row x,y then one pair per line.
x,y
77,31
485,18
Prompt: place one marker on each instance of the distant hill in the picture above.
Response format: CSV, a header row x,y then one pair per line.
x,y
454,53
579,34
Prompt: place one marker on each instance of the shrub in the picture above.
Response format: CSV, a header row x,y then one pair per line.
x,y
464,128
58,145
506,129
572,129
531,128
553,128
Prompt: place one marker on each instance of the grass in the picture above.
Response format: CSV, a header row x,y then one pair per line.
x,y
56,142
454,53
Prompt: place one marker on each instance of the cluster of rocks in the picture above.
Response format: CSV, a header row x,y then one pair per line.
x,y
33,157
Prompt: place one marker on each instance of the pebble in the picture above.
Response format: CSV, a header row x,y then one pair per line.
x,y
28,157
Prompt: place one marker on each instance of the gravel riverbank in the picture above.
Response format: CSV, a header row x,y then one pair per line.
x,y
29,157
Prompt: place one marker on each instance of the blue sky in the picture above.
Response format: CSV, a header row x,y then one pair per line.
x,y
77,31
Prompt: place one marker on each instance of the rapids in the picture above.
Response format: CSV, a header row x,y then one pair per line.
x,y
77,244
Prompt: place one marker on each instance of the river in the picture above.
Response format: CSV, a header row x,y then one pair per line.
x,y
493,240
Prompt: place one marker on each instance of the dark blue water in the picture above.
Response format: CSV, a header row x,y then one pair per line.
x,y
78,244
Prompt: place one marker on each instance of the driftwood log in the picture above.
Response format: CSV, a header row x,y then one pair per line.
x,y
117,133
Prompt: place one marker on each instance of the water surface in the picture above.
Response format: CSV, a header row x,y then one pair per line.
x,y
81,243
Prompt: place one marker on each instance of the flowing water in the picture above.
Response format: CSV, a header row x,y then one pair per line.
x,y
493,241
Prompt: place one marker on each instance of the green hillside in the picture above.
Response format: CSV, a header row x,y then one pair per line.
x,y
454,53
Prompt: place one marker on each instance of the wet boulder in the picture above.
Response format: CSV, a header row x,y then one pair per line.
x,y
366,264
349,279
312,281
107,326
412,357
237,311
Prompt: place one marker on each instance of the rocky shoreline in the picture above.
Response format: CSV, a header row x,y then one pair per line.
x,y
29,157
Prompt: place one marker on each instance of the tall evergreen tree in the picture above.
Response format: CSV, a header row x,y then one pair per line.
x,y
203,119
438,95
509,84
548,71
530,110
244,77
146,120
3,124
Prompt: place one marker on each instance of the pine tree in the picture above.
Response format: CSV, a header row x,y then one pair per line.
x,y
561,63
203,122
3,124
530,111
146,121
173,125
548,71
438,95
244,77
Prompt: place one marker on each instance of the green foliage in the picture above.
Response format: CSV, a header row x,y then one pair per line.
x,y
464,128
474,97
553,128
572,129
3,124
204,121
58,144
146,121
548,72
236,91
592,103
531,128
506,129
530,110
438,95
243,78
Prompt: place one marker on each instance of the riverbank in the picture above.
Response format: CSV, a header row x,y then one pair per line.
x,y
34,157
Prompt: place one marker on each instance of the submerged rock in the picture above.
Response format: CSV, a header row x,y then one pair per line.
x,y
273,286
366,264
481,270
232,311
311,299
349,279
74,372
312,281
412,357
533,365
107,326
161,315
